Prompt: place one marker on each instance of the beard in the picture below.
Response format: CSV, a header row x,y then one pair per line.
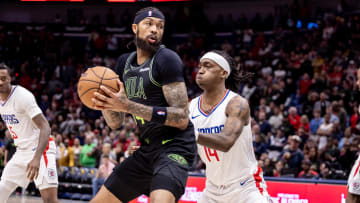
x,y
146,46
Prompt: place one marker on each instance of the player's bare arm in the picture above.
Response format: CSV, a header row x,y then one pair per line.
x,y
33,166
238,116
174,93
113,119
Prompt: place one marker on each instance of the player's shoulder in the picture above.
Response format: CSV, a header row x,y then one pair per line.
x,y
166,54
19,90
195,99
123,57
236,99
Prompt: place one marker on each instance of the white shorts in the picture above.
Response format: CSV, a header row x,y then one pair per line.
x,y
15,169
354,178
250,190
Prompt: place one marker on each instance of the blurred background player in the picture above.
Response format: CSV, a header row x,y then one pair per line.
x,y
353,195
34,158
156,96
222,124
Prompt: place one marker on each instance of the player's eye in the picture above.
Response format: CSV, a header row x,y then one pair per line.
x,y
3,79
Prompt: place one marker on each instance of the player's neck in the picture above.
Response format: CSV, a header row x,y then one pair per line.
x,y
213,95
6,94
142,56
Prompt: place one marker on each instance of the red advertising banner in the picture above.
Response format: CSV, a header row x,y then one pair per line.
x,y
280,192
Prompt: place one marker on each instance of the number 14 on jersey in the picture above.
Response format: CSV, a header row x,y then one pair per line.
x,y
211,152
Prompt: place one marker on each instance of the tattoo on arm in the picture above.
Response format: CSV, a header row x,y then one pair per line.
x,y
113,119
238,115
177,112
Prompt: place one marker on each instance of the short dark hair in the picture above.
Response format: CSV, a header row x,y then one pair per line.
x,y
3,66
236,76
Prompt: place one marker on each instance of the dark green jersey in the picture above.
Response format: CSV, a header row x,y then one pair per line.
x,y
143,84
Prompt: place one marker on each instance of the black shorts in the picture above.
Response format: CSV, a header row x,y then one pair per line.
x,y
142,173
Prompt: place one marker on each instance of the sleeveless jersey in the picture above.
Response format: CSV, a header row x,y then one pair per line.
x,y
17,111
223,168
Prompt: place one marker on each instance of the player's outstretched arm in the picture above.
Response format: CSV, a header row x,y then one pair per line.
x,y
113,119
238,116
33,166
176,115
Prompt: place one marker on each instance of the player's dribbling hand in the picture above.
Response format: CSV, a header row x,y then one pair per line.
x,y
32,169
116,101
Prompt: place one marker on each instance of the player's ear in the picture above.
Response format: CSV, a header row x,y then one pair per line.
x,y
223,74
134,28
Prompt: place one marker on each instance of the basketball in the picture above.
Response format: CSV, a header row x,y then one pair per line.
x,y
91,80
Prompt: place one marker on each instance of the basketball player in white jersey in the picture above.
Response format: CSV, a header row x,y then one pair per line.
x,y
34,158
222,120
353,195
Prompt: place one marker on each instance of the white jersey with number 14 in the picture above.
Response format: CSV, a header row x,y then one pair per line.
x,y
239,163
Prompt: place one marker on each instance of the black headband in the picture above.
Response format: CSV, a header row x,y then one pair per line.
x,y
156,14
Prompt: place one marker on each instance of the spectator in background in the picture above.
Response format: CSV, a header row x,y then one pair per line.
x,y
265,127
304,123
294,118
106,151
293,156
307,170
276,119
67,155
348,137
322,104
276,144
105,169
316,122
259,145
77,150
86,158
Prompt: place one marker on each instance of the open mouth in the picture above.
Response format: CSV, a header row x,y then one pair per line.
x,y
152,39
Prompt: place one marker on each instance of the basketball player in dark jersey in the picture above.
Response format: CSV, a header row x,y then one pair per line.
x,y
152,89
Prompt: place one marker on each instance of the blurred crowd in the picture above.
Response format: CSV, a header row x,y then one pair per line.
x,y
303,94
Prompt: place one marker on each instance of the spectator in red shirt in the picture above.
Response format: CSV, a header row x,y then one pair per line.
x,y
294,119
307,171
305,84
304,122
354,118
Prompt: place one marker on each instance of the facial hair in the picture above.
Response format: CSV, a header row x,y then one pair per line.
x,y
145,45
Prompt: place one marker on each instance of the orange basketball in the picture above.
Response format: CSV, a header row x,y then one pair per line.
x,y
91,80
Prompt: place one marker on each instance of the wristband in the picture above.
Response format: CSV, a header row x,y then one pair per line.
x,y
159,114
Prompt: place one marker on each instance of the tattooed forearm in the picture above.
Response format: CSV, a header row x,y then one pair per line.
x,y
177,112
113,119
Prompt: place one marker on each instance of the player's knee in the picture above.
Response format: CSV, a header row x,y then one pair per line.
x,y
6,189
49,198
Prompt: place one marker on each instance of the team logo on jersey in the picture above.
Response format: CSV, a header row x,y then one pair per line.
x,y
51,173
356,186
214,129
177,158
144,69
9,118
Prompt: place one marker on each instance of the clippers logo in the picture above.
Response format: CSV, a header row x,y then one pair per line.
x,y
356,186
161,113
51,173
10,119
150,13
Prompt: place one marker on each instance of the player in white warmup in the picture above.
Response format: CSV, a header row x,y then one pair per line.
x,y
222,123
353,195
34,158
